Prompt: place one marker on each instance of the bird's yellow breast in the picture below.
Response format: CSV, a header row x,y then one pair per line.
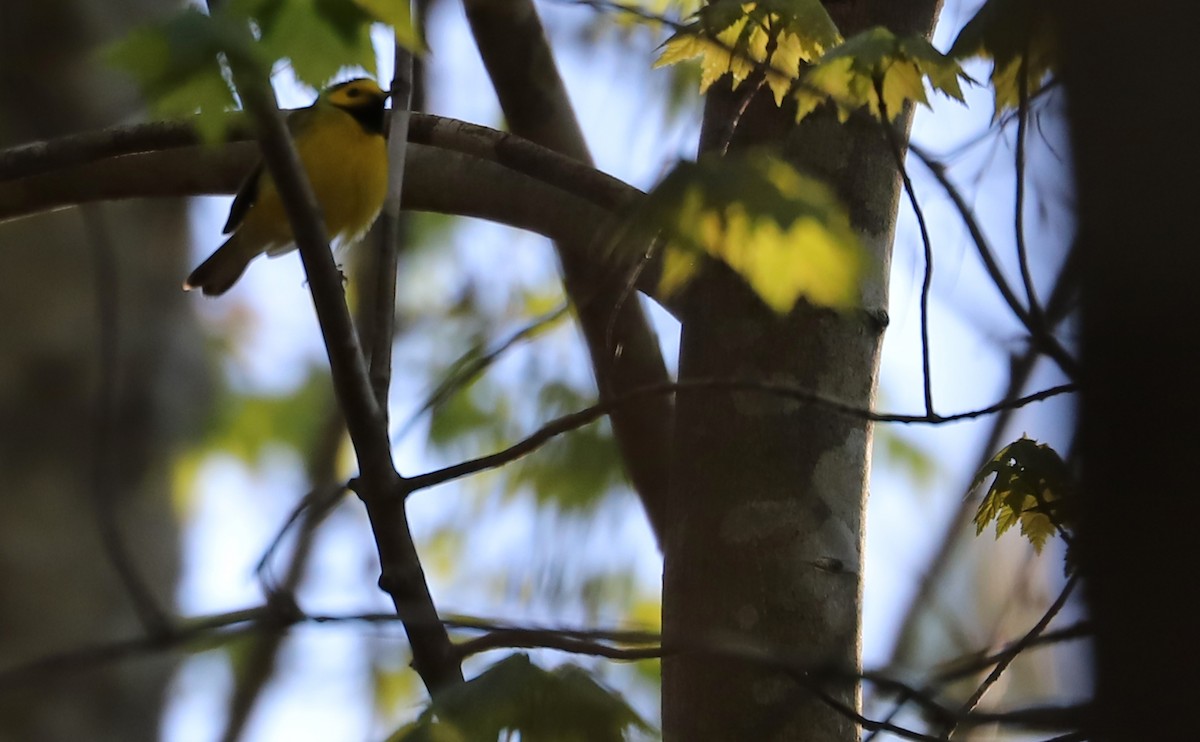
x,y
347,167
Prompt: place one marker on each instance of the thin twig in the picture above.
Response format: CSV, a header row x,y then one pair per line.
x,y
998,124
1035,309
72,661
474,362
1043,340
537,639
969,665
391,231
808,676
105,446
1013,652
1057,308
583,417
926,284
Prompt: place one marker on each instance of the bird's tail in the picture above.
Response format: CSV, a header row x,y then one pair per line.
x,y
222,269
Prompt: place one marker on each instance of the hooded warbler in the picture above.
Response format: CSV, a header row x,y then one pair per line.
x,y
339,139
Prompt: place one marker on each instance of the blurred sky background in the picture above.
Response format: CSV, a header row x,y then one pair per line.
x,y
496,554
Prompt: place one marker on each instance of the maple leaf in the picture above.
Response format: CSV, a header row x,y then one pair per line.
x,y
736,38
847,75
1018,37
784,233
1030,486
176,61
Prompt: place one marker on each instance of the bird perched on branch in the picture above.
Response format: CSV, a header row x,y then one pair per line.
x,y
339,139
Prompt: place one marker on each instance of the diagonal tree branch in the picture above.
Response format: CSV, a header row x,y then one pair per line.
x,y
402,576
624,350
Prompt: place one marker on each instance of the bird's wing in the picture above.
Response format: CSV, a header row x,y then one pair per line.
x,y
243,200
248,192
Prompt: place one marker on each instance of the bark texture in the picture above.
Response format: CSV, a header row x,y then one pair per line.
x,y
59,590
623,347
1136,161
764,543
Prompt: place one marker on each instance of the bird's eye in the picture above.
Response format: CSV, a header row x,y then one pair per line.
x,y
353,93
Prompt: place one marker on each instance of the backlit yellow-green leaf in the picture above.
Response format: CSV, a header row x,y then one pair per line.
x,y
395,687
848,74
244,425
398,15
735,38
206,93
783,232
1031,487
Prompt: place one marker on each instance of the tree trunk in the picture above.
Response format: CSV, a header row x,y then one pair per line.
x,y
60,454
765,512
1136,161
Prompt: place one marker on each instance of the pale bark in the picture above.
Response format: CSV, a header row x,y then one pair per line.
x,y
765,513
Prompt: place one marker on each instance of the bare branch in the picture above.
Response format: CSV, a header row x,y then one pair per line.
x,y
474,362
588,415
1035,309
624,350
402,577
927,283
540,639
1042,339
981,660
631,645
391,231
1014,651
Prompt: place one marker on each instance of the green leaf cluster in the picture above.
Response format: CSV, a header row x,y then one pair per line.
x,y
798,51
852,75
735,37
786,234
516,696
474,414
175,63
576,470
179,62
1018,37
245,425
1031,487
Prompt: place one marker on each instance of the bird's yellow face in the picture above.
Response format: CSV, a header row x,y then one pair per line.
x,y
356,94
362,98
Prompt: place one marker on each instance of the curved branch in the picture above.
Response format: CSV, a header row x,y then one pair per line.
x,y
927,281
1042,339
452,167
